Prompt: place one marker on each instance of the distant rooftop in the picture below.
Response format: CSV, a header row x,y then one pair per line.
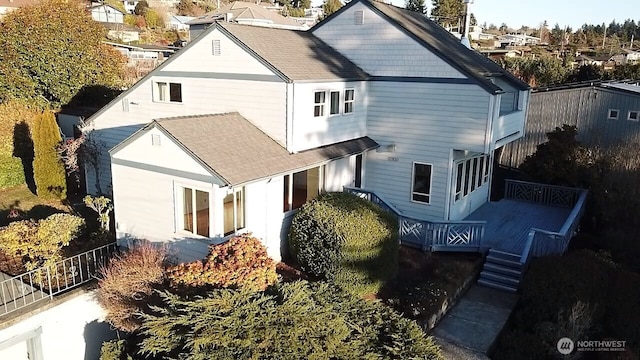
x,y
245,11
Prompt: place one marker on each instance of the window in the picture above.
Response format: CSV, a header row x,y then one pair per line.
x,y
216,49
633,115
195,211
348,100
335,103
421,189
470,174
319,102
234,211
301,187
613,114
168,92
358,17
155,139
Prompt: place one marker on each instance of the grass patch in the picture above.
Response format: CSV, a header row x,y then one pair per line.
x,y
27,204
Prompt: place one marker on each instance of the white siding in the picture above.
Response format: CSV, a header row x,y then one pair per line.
x,y
340,173
264,215
381,49
232,59
310,132
167,154
72,330
200,96
424,121
145,208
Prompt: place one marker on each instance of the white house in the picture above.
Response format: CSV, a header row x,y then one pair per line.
x,y
246,123
130,5
107,14
177,22
7,6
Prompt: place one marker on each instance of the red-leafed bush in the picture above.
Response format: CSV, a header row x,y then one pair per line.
x,y
240,262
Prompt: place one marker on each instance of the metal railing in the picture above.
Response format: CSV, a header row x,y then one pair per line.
x,y
542,194
542,242
27,288
426,234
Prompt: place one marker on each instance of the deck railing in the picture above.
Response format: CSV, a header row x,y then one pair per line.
x,y
542,194
27,288
542,242
426,234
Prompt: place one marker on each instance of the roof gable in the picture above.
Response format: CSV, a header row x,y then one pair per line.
x,y
438,41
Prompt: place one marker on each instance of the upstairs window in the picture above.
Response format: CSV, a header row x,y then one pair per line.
x,y
334,109
349,98
421,186
613,114
168,92
633,115
319,103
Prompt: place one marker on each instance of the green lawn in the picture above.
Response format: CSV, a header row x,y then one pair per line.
x,y
29,205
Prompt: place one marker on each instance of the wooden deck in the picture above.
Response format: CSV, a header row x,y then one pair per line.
x,y
509,222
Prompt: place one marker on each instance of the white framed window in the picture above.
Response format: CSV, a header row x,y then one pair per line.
x,y
349,99
168,92
632,115
319,102
155,139
194,211
470,174
334,103
301,187
233,211
613,114
421,184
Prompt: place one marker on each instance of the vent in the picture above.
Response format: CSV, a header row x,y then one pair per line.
x,y
125,105
155,139
358,17
216,50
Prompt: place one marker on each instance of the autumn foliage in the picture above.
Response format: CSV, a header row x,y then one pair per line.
x,y
240,262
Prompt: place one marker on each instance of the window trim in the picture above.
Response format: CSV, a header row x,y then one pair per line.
x,y
331,92
235,191
322,105
165,94
352,101
478,177
637,112
179,210
610,117
413,181
289,196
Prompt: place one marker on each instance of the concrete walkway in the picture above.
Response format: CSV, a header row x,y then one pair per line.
x,y
471,328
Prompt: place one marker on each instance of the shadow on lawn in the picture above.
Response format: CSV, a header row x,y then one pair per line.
x,y
14,213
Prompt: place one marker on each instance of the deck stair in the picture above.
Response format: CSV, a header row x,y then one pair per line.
x,y
501,271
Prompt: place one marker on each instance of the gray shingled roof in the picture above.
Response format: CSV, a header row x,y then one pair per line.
x,y
437,39
242,10
297,55
238,152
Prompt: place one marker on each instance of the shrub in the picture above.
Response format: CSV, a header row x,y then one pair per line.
x,y
127,283
114,350
348,240
39,243
48,170
240,262
295,320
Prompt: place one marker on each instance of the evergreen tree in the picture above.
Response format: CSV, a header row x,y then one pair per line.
x,y
448,12
330,6
48,170
416,5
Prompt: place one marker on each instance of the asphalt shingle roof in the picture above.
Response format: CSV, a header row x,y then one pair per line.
x,y
238,152
243,10
298,55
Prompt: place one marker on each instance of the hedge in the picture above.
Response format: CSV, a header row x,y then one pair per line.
x,y
48,170
347,240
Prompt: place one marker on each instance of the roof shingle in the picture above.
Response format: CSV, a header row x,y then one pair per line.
x,y
239,152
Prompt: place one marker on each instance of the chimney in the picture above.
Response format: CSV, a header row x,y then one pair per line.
x,y
229,17
464,39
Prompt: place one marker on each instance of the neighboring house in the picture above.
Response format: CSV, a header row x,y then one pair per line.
x,y
497,54
7,6
605,113
179,23
476,33
628,56
123,32
244,13
245,124
605,61
143,51
130,5
107,14
518,40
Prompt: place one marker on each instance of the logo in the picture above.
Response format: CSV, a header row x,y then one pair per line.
x,y
565,346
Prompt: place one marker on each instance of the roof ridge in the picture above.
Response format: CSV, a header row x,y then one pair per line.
x,y
181,117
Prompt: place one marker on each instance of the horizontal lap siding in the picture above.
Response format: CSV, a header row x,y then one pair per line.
x,y
381,49
144,208
424,121
200,96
